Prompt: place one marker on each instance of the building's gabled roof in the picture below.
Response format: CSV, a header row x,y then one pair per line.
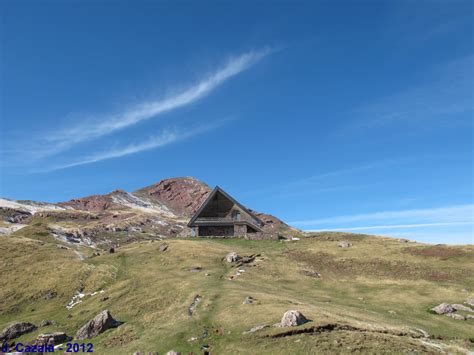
x,y
217,189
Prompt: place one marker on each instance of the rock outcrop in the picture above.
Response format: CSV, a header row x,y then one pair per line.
x,y
94,203
181,195
232,257
52,338
344,244
292,318
443,308
99,324
16,329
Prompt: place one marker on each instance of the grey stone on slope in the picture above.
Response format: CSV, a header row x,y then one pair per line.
x,y
16,329
292,318
52,338
232,257
455,316
248,300
344,244
461,307
443,308
256,328
46,322
470,302
99,324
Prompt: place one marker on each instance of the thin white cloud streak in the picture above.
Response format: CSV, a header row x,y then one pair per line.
x,y
165,138
399,226
67,138
451,214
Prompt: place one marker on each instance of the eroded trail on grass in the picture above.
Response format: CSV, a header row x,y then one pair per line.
x,y
334,327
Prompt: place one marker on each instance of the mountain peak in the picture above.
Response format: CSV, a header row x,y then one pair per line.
x,y
183,195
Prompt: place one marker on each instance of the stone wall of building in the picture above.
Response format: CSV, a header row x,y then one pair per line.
x,y
240,230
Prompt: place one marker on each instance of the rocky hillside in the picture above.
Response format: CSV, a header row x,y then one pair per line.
x,y
158,211
326,293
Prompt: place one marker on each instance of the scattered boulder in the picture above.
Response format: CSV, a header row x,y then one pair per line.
x,y
461,307
46,322
195,269
455,316
469,316
103,298
172,352
292,318
50,294
344,244
163,247
232,257
194,304
248,300
99,324
443,308
311,273
470,302
52,338
256,328
16,329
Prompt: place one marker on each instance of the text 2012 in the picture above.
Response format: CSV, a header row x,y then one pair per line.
x,y
44,349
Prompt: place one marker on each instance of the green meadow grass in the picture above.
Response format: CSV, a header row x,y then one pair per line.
x,y
378,282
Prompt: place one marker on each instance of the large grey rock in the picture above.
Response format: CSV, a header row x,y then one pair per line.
x,y
172,352
470,302
232,257
99,324
16,329
292,318
443,308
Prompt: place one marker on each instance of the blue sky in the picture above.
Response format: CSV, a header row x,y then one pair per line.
x,y
338,115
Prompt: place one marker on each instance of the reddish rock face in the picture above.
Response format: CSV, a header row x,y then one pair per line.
x,y
182,195
94,203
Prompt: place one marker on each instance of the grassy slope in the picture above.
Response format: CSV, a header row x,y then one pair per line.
x,y
151,291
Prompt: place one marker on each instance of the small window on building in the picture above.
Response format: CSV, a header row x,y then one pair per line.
x,y
237,215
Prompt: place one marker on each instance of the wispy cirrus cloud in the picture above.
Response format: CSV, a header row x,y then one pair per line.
x,y
63,139
168,136
449,214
